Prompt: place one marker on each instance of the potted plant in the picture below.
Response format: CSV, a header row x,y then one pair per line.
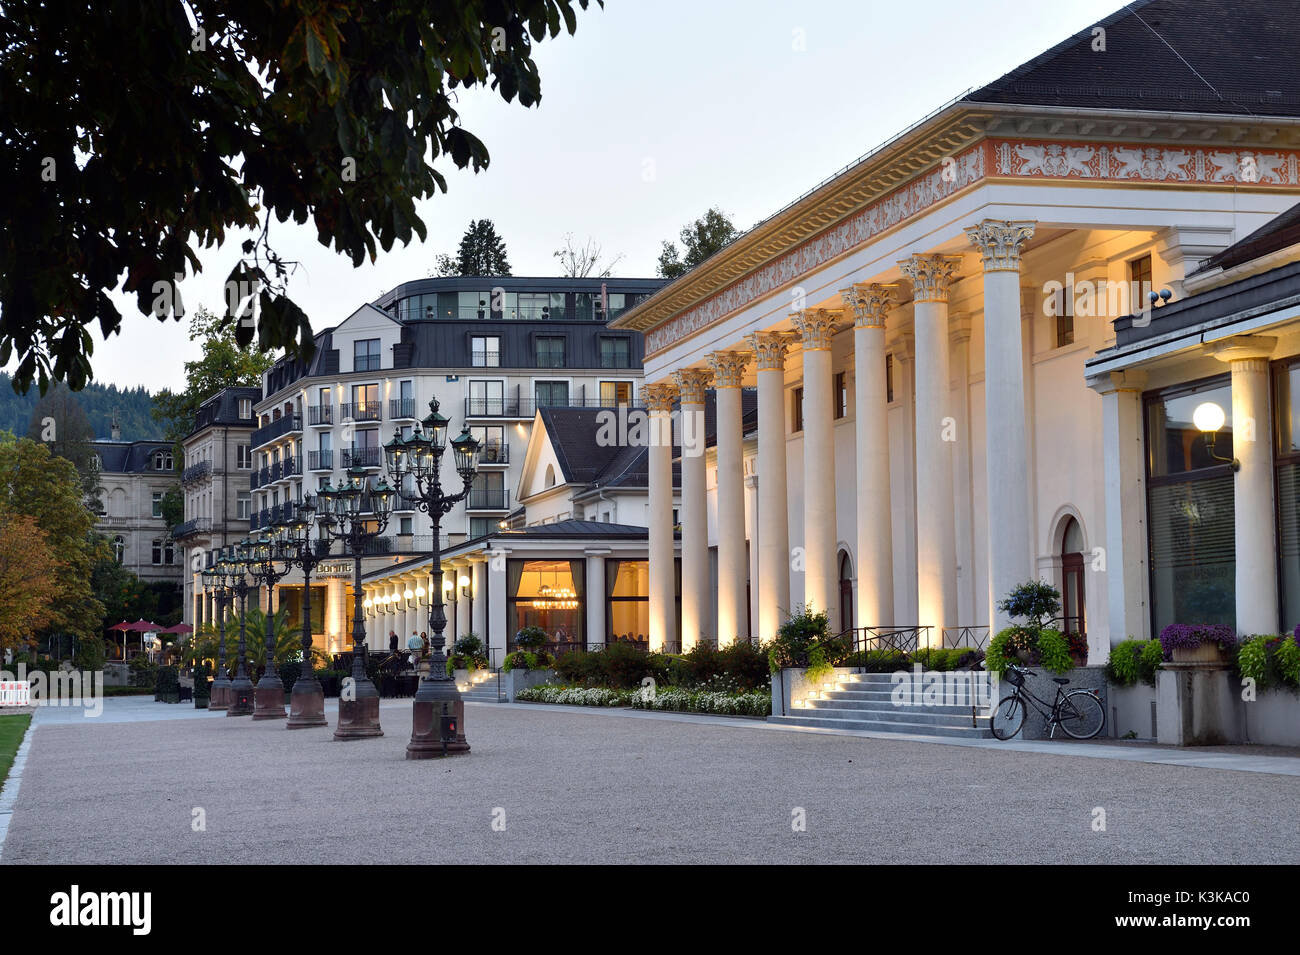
x,y
1198,643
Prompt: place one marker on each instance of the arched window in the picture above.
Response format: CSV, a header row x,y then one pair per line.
x,y
846,592
550,475
1073,600
162,460
119,549
96,462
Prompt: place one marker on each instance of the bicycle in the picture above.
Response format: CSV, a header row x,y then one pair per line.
x,y
1078,712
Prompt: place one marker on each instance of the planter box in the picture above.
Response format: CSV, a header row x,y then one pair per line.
x,y
513,681
1039,682
1132,708
791,686
1205,653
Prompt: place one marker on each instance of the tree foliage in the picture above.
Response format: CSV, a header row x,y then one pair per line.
x,y
27,587
482,251
134,132
103,404
700,239
584,261
59,422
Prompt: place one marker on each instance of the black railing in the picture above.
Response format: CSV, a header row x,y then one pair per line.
x,y
275,471
286,424
320,460
290,466
360,457
320,414
188,528
861,640
259,477
527,407
196,472
494,454
359,411
401,407
975,638
488,499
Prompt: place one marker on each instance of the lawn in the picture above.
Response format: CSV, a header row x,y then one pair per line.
x,y
12,729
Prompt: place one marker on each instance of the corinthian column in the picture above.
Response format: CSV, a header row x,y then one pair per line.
x,y
821,590
1006,454
773,509
663,576
733,615
691,384
870,304
936,548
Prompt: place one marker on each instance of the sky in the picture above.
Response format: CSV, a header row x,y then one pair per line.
x,y
650,114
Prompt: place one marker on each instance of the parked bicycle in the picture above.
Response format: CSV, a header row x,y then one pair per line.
x,y
1079,712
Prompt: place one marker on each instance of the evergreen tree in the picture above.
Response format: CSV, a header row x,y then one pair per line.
x,y
482,251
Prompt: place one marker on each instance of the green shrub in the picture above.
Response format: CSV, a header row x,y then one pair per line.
x,y
201,686
1035,601
167,687
1287,657
752,703
576,695
530,637
1131,661
1005,648
946,658
1054,651
747,665
797,638
1270,661
90,654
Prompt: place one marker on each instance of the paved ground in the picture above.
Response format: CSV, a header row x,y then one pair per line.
x,y
580,785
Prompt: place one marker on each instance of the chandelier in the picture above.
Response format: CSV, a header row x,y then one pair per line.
x,y
559,598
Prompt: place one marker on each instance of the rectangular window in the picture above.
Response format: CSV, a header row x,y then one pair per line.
x,y
796,410
245,407
481,527
485,351
157,503
244,457
1139,277
365,354
615,393
615,353
491,443
1286,428
552,393
365,403
244,507
473,305
889,378
404,527
486,397
550,351
841,395
1065,317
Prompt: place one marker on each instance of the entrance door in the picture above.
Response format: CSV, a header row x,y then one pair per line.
x,y
1073,598
846,593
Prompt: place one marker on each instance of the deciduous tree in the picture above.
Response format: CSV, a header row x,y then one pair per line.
x,y
27,580
700,239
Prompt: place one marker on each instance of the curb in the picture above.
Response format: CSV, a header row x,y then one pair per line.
x,y
9,794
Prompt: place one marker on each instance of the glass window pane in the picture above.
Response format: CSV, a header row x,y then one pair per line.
x,y
1175,445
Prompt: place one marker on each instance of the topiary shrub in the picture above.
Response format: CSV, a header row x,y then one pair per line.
x,y
202,689
530,637
1035,601
167,687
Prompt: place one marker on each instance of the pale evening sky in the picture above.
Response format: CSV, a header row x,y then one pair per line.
x,y
649,115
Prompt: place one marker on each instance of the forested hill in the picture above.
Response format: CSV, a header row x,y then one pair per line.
x,y
100,402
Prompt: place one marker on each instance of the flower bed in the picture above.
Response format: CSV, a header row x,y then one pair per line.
x,y
576,695
673,699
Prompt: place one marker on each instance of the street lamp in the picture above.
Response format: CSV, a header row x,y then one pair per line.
x,y
356,512
268,698
1209,418
241,688
438,712
214,579
307,701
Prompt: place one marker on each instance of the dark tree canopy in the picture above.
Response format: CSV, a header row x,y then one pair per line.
x,y
130,136
482,251
59,422
706,235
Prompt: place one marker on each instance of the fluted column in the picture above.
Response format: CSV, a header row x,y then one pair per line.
x,y
936,549
773,508
663,577
870,304
479,609
733,616
1006,453
821,581
692,383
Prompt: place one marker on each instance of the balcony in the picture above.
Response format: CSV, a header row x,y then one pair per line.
x,y
198,525
259,477
488,499
320,415
526,407
494,454
359,411
402,544
406,502
290,467
320,460
361,457
401,408
196,472
288,424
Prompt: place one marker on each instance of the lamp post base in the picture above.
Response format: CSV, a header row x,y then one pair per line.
x,y
241,698
436,699
221,693
358,719
268,699
306,704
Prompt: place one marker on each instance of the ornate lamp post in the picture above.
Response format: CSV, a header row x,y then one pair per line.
x,y
268,698
241,687
356,513
307,701
438,712
214,579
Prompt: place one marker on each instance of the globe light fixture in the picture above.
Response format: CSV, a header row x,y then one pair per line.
x,y
1209,418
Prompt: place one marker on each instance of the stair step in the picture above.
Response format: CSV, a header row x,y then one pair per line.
x,y
900,715
860,725
884,706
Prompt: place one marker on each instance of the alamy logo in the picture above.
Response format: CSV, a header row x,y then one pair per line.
x,y
74,907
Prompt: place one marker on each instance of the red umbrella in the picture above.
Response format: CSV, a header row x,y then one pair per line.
x,y
143,626
180,628
123,626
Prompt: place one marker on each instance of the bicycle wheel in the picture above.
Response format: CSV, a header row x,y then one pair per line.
x,y
1008,717
1082,715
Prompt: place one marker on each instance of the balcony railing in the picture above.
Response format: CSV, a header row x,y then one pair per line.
x,y
196,472
359,411
189,528
320,415
360,457
290,466
488,499
259,477
320,460
526,407
401,408
402,544
494,454
288,424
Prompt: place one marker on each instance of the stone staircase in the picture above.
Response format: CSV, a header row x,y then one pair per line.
x,y
481,688
864,701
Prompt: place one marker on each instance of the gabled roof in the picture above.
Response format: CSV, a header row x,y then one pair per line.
x,y
1201,56
1280,232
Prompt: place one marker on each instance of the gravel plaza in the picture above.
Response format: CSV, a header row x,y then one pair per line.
x,y
582,785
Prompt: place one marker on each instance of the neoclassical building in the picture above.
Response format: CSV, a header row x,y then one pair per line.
x,y
917,329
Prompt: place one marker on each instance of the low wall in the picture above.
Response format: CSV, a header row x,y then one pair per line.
x,y
791,686
1039,682
1200,705
1132,710
513,681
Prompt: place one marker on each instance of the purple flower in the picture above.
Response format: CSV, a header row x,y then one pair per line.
x,y
1189,636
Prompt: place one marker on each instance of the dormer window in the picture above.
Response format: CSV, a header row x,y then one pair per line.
x,y
162,461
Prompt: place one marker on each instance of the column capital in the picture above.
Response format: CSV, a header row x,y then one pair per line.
x,y
999,242
659,396
930,275
870,303
816,327
769,349
1243,348
728,368
692,383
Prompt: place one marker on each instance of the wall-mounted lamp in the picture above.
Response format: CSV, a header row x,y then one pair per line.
x,y
464,585
1209,418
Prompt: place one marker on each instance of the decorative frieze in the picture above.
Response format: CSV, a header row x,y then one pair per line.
x,y
999,243
869,303
659,397
930,275
692,383
728,368
769,350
